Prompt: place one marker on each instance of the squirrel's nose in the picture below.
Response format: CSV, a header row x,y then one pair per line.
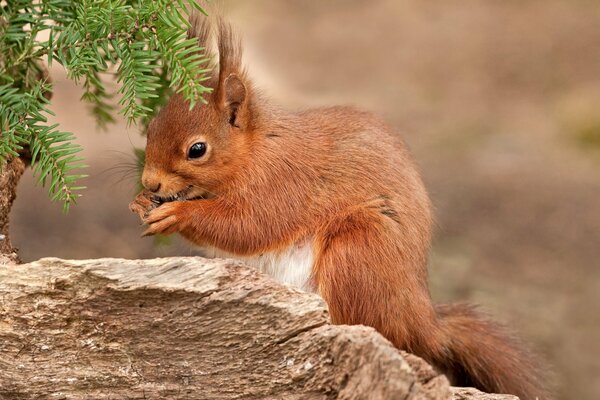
x,y
151,180
153,186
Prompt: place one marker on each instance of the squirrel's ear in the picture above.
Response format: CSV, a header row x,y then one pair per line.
x,y
235,96
232,92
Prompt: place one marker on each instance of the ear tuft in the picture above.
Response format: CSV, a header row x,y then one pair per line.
x,y
232,93
200,30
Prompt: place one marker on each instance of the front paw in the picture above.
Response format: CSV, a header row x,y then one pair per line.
x,y
165,219
142,204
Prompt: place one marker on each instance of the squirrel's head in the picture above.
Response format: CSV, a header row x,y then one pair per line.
x,y
191,153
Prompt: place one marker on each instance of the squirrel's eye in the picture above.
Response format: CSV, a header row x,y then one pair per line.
x,y
197,150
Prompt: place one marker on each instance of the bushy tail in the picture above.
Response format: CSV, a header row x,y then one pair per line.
x,y
484,355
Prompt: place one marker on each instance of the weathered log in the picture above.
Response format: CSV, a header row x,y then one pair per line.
x,y
188,328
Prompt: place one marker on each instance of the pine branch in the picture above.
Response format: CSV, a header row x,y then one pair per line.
x,y
24,122
140,42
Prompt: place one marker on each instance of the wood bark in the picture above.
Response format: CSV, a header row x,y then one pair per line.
x,y
188,328
10,173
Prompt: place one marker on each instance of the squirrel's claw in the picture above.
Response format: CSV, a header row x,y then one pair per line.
x,y
162,220
165,227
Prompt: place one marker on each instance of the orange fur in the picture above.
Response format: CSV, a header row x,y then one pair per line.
x,y
339,177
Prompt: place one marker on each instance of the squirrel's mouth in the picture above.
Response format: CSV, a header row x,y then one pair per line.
x,y
187,194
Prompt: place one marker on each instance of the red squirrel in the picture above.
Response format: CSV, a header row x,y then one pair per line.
x,y
328,200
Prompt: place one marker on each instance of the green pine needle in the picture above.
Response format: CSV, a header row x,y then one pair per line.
x,y
141,43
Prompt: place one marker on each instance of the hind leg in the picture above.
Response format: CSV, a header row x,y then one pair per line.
x,y
369,273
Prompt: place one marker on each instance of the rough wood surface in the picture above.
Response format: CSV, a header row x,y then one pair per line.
x,y
10,173
187,328
470,393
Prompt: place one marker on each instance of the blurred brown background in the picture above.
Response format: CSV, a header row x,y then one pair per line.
x,y
500,103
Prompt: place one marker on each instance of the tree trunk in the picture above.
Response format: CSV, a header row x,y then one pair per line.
x,y
10,173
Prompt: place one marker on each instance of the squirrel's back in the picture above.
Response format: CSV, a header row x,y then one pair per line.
x,y
350,155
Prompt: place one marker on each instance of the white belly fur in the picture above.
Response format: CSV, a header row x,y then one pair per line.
x,y
292,265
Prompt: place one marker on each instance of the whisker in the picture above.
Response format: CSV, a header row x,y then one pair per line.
x,y
118,169
123,165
